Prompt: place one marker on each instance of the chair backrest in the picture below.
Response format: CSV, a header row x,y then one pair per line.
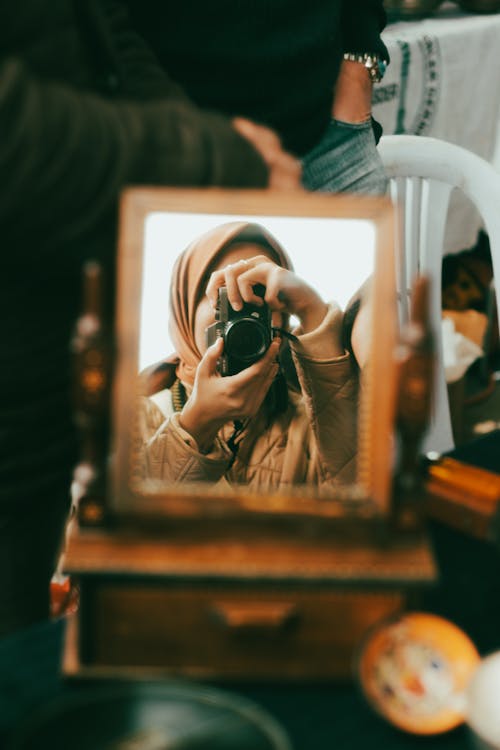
x,y
423,172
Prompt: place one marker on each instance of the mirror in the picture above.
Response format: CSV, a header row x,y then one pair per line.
x,y
335,244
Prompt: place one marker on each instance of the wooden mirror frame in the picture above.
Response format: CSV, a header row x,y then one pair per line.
x,y
367,499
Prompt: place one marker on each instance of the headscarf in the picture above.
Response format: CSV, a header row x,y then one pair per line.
x,y
190,277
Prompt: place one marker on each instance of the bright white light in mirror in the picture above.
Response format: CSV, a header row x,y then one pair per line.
x,y
335,256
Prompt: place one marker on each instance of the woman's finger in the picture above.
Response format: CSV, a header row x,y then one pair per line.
x,y
231,275
217,279
208,363
272,277
269,361
248,280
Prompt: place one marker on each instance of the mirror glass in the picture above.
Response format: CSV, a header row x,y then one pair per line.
x,y
257,424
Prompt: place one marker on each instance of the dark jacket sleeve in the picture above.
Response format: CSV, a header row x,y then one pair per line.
x,y
362,22
76,151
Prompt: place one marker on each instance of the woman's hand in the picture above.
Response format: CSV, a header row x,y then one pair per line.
x,y
215,399
285,291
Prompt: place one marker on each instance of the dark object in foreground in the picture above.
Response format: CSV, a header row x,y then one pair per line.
x,y
152,717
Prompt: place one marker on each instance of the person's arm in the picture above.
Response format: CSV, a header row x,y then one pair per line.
x,y
352,100
140,75
187,445
216,400
65,155
362,23
165,451
329,386
356,328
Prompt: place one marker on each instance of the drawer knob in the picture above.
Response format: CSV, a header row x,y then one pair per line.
x,y
254,616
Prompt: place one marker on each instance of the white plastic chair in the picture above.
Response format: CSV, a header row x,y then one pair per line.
x,y
423,172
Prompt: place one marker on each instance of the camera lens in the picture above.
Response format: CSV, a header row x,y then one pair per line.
x,y
246,340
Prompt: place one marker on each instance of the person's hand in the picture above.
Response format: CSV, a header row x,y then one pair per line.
x,y
285,291
216,400
284,170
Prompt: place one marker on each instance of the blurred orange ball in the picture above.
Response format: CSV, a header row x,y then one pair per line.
x,y
414,671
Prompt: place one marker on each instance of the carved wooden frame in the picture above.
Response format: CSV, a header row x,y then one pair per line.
x,y
370,496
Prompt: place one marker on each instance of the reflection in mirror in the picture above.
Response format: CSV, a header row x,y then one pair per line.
x,y
232,324
272,402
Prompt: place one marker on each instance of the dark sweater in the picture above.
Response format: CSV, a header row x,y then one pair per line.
x,y
274,61
72,137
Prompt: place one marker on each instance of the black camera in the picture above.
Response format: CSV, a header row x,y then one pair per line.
x,y
247,333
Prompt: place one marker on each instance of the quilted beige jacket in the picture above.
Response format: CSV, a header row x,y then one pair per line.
x,y
314,441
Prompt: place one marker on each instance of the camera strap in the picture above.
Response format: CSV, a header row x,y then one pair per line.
x,y
283,332
232,444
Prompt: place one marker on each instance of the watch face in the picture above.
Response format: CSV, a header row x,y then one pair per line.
x,y
414,670
377,68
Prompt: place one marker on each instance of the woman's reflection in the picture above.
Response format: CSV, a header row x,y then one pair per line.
x,y
260,406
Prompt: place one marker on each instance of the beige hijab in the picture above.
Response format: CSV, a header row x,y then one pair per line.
x,y
190,278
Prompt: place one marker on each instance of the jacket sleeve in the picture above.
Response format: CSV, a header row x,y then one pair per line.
x,y
164,451
329,385
362,23
68,154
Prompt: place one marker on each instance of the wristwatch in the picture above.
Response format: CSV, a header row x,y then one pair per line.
x,y
374,64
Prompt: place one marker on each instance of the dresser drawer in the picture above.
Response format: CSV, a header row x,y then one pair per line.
x,y
225,631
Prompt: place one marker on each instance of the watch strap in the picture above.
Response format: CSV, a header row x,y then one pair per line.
x,y
375,65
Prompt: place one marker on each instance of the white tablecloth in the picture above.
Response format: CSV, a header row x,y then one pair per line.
x,y
444,81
